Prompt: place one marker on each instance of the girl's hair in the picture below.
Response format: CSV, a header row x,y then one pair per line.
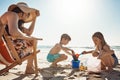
x,y
17,10
101,37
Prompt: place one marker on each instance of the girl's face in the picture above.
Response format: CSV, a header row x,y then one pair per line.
x,y
96,41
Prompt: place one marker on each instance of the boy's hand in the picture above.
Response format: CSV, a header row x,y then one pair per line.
x,y
73,53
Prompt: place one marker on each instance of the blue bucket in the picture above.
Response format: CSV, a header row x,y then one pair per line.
x,y
75,64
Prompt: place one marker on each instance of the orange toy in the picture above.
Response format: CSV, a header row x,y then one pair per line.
x,y
76,56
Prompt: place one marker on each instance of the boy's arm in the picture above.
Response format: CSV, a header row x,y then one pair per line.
x,y
68,51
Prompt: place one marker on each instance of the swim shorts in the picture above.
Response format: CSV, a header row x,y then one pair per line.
x,y
52,57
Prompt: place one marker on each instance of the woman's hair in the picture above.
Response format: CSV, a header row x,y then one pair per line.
x,y
20,22
101,37
17,10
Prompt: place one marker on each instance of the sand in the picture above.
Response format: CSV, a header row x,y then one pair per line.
x,y
64,72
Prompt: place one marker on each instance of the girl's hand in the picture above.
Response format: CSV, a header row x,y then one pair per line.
x,y
95,54
84,52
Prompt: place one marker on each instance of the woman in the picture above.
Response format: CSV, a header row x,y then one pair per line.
x,y
16,12
28,31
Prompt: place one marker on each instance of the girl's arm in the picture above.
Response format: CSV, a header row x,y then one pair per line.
x,y
86,52
91,51
107,49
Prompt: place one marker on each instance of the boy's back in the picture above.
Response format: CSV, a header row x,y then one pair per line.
x,y
56,49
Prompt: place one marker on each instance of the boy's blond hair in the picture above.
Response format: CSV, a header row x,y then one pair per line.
x,y
66,36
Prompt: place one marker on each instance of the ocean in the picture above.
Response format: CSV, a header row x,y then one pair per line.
x,y
44,50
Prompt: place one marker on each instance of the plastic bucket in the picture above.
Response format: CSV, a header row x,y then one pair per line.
x,y
75,64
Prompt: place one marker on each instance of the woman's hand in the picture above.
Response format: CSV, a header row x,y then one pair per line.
x,y
37,13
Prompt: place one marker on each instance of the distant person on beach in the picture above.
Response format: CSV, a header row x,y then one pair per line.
x,y
10,21
103,52
54,56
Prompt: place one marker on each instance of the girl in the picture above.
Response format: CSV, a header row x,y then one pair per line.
x,y
103,52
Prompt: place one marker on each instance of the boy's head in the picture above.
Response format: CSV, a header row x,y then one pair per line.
x,y
65,38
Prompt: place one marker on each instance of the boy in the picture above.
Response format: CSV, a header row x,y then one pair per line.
x,y
54,55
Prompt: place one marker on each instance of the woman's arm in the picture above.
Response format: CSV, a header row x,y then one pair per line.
x,y
29,31
1,29
12,22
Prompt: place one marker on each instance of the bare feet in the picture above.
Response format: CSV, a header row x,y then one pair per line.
x,y
53,65
109,69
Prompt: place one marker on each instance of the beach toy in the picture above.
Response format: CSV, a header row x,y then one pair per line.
x,y
75,64
76,56
82,67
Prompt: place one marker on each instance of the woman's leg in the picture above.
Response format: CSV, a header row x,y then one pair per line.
x,y
30,69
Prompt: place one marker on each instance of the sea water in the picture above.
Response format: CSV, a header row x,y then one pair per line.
x,y
44,50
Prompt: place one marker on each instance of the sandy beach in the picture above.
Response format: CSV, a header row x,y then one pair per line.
x,y
64,72
89,25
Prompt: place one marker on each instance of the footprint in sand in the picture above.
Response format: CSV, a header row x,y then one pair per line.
x,y
71,78
63,72
76,75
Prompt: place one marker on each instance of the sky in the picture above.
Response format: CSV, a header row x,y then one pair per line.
x,y
78,18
